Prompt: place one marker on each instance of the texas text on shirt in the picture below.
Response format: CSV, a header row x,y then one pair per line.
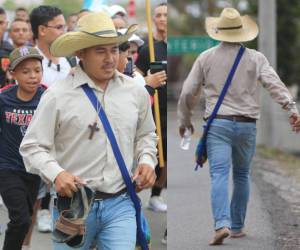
x,y
15,118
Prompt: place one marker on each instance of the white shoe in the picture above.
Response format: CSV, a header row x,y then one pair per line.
x,y
157,204
25,247
164,239
44,222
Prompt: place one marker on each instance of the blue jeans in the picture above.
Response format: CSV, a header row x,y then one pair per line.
x,y
230,143
111,224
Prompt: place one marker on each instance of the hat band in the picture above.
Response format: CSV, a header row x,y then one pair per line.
x,y
99,33
230,28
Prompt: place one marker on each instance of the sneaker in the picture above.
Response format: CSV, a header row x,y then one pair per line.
x,y
164,239
157,204
44,222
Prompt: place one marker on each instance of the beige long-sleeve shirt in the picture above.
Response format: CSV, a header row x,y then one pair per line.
x,y
58,136
209,73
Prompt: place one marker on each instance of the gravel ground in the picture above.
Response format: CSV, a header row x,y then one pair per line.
x,y
280,193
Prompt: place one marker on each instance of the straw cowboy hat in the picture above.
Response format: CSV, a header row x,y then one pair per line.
x,y
92,29
231,27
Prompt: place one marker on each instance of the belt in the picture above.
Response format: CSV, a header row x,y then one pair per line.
x,y
102,196
237,118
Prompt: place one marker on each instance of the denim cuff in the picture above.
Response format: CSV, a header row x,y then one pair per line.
x,y
222,223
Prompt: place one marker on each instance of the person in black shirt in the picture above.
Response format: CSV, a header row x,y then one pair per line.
x,y
18,188
156,81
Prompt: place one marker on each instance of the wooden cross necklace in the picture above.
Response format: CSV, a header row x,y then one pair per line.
x,y
94,128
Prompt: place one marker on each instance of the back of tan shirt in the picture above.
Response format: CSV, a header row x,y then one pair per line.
x,y
209,73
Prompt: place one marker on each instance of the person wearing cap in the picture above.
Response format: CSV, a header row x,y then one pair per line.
x,y
231,137
66,143
118,15
18,103
135,43
117,11
126,59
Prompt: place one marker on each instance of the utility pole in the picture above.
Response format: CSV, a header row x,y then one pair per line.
x,y
267,45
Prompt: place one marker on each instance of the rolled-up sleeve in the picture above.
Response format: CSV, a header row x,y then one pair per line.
x,y
271,82
37,147
191,88
146,138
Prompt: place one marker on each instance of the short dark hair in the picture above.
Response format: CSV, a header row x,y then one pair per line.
x,y
41,16
18,20
161,4
2,11
73,14
124,46
84,10
21,9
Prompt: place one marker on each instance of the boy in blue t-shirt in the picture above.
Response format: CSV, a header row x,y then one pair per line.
x,y
18,188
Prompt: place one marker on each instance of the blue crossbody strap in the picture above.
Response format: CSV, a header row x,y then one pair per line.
x,y
221,98
121,163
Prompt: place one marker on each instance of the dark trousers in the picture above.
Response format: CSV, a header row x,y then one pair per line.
x,y
156,190
19,191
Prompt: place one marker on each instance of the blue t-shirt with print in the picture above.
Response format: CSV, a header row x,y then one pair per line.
x,y
15,117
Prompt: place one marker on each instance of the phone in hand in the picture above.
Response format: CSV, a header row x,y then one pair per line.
x,y
129,67
158,66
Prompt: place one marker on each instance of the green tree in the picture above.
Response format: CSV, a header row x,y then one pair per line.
x,y
68,7
288,40
288,47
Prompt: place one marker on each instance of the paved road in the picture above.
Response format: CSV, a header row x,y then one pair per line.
x,y
158,222
189,215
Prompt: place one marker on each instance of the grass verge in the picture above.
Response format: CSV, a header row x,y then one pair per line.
x,y
289,163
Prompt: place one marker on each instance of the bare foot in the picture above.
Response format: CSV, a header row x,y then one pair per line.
x,y
239,234
220,235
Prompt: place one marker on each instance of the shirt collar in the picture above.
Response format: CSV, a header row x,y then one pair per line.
x,y
80,78
227,44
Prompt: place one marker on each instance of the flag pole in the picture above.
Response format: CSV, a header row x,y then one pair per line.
x,y
156,103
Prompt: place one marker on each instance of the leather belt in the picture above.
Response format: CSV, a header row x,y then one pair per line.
x,y
237,118
103,196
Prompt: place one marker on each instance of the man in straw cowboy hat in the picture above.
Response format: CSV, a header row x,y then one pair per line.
x,y
231,136
66,143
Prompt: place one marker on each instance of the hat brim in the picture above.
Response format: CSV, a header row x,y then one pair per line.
x,y
13,65
248,32
71,42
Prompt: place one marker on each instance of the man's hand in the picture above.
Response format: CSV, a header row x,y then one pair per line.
x,y
65,183
157,79
295,122
183,128
144,176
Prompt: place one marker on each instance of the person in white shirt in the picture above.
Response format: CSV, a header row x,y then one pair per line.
x,y
47,24
67,145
